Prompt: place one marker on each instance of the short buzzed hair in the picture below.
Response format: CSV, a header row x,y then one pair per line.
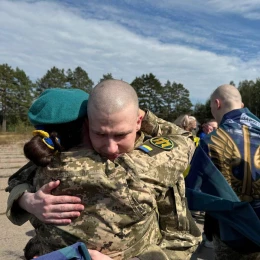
x,y
111,96
228,94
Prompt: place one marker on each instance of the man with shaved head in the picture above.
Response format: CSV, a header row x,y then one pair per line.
x,y
139,169
114,124
223,100
234,150
114,119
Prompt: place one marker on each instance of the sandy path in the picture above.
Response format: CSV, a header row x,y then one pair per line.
x,y
12,238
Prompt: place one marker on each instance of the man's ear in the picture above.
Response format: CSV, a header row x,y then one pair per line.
x,y
139,122
141,113
218,103
242,105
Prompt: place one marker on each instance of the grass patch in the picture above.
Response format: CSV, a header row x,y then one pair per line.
x,y
13,138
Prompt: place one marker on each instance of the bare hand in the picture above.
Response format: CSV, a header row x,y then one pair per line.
x,y
96,255
207,128
51,209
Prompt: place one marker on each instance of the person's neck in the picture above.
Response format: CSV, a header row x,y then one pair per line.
x,y
226,111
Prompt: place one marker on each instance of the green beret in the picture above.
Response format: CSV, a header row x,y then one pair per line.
x,y
57,106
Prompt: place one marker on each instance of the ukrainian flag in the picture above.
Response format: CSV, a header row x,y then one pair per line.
x,y
75,251
207,190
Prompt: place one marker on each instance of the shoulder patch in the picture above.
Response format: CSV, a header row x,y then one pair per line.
x,y
145,148
163,143
157,145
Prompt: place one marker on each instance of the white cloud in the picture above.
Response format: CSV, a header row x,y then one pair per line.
x,y
37,36
246,8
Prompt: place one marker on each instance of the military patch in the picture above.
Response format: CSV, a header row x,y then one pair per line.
x,y
162,142
157,145
146,148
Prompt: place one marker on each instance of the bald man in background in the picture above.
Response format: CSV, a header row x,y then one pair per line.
x,y
114,124
234,150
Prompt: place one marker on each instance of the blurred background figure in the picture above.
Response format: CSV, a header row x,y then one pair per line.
x,y
188,123
207,128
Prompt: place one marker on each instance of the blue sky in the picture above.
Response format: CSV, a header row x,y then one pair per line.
x,y
201,44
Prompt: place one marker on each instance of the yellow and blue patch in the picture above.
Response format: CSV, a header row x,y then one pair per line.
x,y
157,145
146,148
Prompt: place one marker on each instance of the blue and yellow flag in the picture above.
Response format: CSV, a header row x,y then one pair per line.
x,y
77,251
207,190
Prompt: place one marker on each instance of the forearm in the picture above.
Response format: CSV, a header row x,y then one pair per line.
x,y
23,175
15,212
155,126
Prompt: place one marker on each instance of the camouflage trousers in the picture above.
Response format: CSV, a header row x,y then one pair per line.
x,y
224,252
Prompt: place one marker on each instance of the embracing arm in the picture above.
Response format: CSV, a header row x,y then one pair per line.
x,y
18,183
22,176
155,126
48,208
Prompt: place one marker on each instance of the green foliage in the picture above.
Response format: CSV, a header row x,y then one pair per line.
x,y
249,91
202,112
176,100
57,78
167,101
106,77
232,83
20,127
16,96
79,79
54,78
148,89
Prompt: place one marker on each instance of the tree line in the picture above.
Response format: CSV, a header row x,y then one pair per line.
x,y
168,101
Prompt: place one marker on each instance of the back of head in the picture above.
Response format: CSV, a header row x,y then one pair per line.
x,y
39,151
186,122
58,106
58,113
229,95
111,96
223,100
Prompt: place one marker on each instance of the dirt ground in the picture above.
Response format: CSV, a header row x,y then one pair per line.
x,y
13,238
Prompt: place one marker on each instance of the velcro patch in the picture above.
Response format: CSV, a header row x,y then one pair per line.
x,y
157,145
162,142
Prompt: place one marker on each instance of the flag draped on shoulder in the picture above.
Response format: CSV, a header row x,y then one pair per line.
x,y
207,190
77,251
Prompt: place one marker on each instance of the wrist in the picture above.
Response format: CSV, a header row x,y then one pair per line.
x,y
24,201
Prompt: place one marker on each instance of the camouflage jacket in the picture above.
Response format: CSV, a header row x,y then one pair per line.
x,y
122,199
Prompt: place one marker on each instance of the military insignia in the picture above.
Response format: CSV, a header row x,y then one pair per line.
x,y
157,145
145,148
257,158
162,142
225,155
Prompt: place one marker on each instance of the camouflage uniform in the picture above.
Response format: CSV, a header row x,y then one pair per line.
x,y
122,199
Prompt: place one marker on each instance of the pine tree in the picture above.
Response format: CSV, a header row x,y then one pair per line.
x,y
148,89
54,78
79,79
106,77
15,99
176,100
